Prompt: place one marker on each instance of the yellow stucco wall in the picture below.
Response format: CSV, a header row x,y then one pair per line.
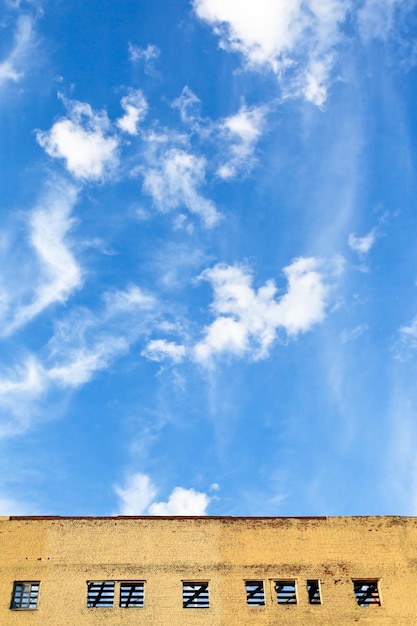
x,y
64,553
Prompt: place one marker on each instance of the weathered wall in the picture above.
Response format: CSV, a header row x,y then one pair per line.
x,y
63,553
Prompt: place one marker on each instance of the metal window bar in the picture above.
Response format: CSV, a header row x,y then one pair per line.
x,y
25,595
195,595
313,590
100,594
255,592
286,591
131,594
366,592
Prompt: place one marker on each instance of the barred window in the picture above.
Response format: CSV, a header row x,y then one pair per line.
x,y
286,591
313,590
255,592
100,594
366,592
195,595
131,594
25,595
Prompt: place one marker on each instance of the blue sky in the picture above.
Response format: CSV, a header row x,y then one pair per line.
x,y
208,259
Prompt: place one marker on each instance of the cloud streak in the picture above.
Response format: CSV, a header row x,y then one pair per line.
x,y
58,273
13,67
82,345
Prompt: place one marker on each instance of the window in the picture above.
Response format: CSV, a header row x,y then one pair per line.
x,y
131,594
100,594
286,591
255,592
366,592
195,595
25,595
313,590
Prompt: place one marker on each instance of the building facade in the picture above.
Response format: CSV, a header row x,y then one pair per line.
x,y
208,570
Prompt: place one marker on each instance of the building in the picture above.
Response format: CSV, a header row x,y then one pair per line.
x,y
57,571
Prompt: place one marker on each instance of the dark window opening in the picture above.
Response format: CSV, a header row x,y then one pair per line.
x,y
366,592
25,595
100,594
313,590
195,595
286,591
255,592
131,594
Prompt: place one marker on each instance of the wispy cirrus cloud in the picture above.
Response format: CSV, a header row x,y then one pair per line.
x,y
20,390
14,66
84,140
137,497
376,18
55,273
87,342
83,344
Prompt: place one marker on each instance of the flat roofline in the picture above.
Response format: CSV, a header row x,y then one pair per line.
x,y
305,518
162,517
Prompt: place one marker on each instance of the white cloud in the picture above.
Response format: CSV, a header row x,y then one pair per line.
x,y
174,183
19,389
297,39
12,68
58,273
135,107
182,502
189,105
160,349
147,54
362,245
293,38
241,131
82,139
138,495
247,320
